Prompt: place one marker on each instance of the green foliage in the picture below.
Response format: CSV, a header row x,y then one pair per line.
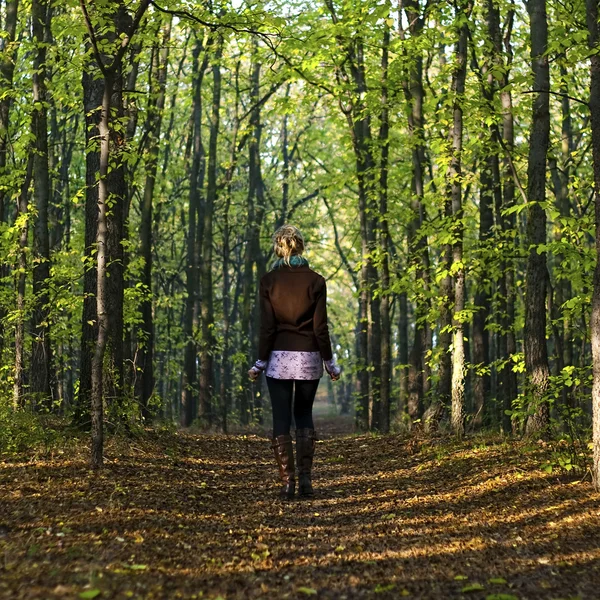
x,y
22,431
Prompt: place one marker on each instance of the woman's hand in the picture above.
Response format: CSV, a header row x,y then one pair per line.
x,y
258,367
333,369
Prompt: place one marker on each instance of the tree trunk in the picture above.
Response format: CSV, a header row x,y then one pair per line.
x,y
359,123
507,344
101,279
108,232
417,241
403,353
250,398
41,356
92,102
188,388
593,12
455,181
158,89
480,334
440,403
384,243
208,325
536,353
8,55
21,277
115,224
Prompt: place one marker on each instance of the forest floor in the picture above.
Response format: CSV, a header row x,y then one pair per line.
x,y
182,515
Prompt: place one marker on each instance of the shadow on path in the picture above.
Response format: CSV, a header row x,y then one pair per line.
x,y
196,516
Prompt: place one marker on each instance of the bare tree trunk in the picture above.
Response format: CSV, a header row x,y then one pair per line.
x,y
207,383
250,398
480,334
561,178
593,12
455,181
21,276
101,287
441,402
384,242
403,352
536,353
41,356
188,388
92,101
112,80
417,241
508,344
8,55
155,124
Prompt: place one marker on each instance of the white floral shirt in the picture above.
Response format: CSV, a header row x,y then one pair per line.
x,y
291,364
288,364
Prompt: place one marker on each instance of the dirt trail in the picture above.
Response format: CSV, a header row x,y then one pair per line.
x,y
190,516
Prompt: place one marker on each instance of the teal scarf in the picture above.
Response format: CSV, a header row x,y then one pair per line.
x,y
295,261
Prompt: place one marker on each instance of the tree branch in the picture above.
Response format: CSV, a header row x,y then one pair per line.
x,y
139,13
300,202
340,250
562,95
92,34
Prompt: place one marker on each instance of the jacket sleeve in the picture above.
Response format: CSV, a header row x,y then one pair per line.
x,y
320,322
268,324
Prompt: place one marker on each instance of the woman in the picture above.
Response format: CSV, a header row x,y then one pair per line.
x,y
294,342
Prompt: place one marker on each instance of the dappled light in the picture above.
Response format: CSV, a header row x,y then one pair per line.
x,y
194,516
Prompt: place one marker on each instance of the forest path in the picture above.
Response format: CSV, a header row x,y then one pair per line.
x,y
196,516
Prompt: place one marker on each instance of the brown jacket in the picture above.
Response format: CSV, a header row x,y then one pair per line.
x,y
293,312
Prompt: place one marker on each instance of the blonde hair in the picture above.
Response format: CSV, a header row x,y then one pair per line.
x,y
288,241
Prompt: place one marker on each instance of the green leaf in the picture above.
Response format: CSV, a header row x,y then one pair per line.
x,y
460,578
90,594
501,597
472,587
384,588
497,580
137,567
308,591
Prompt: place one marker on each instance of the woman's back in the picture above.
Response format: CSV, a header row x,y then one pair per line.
x,y
294,294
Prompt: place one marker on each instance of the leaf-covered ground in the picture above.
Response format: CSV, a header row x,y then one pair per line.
x,y
196,516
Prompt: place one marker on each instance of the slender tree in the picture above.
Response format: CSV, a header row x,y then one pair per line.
x,y
189,383
155,117
455,183
41,356
206,265
110,72
593,13
8,55
536,352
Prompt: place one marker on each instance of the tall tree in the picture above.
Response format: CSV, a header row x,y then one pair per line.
x,y
155,116
41,356
111,71
384,239
8,55
536,352
459,74
592,15
417,240
206,265
507,340
189,383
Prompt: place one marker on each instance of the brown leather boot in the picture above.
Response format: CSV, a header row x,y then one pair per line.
x,y
284,455
305,450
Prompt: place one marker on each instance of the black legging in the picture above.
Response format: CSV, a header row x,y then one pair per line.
x,y
281,392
